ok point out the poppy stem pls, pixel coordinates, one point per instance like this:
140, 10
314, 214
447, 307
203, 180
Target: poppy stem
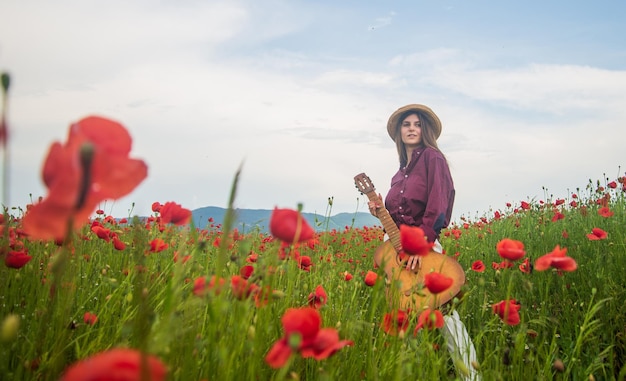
86, 158
227, 225
296, 236
59, 307
145, 314
4, 137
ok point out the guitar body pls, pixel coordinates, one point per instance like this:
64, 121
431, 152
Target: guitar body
407, 287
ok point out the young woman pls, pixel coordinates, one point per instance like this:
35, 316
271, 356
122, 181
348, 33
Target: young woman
422, 191
422, 194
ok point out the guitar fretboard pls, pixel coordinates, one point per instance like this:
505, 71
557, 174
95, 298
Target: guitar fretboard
385, 218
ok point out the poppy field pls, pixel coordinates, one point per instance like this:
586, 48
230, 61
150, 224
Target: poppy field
85, 295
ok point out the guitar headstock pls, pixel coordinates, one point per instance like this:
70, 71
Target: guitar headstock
363, 183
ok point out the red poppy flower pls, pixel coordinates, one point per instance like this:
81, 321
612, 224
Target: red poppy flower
305, 263
437, 282
92, 166
429, 319
116, 364
174, 213
612, 185
557, 259
414, 241
370, 278
279, 354
347, 276
289, 226
605, 212
102, 232
318, 298
525, 266
252, 257
90, 318
156, 206
525, 205
510, 249
326, 343
241, 288
201, 287
17, 259
597, 234
557, 216
304, 322
395, 322
508, 311
157, 245
478, 266
246, 271
312, 243
118, 244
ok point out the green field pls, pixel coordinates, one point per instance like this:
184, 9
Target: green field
572, 324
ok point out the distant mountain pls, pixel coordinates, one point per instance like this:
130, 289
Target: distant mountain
248, 219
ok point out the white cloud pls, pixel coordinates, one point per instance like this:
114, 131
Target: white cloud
355, 78
541, 87
205, 86
382, 22
74, 43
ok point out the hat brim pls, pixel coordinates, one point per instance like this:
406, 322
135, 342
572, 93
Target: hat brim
394, 119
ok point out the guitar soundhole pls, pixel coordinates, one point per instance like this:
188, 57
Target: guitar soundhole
398, 260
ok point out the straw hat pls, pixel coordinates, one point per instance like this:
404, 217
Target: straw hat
394, 119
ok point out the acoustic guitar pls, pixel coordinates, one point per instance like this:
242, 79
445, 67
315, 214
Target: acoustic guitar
411, 293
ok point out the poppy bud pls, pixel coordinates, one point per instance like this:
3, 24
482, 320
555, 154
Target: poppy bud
558, 365
294, 340
6, 82
10, 327
462, 368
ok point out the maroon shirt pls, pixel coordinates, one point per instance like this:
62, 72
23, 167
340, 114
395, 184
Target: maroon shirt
422, 193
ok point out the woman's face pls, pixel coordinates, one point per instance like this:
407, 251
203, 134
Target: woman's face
411, 131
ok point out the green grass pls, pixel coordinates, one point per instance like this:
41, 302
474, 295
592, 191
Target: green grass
144, 300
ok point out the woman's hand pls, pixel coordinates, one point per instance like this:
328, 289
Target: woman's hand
374, 206
414, 262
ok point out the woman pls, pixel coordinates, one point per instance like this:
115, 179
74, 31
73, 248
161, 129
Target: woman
422, 191
422, 194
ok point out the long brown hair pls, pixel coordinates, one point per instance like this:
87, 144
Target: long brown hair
428, 135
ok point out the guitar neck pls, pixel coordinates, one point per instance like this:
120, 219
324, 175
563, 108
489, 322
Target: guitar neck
385, 218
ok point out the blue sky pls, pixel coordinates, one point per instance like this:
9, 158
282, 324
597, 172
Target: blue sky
531, 94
